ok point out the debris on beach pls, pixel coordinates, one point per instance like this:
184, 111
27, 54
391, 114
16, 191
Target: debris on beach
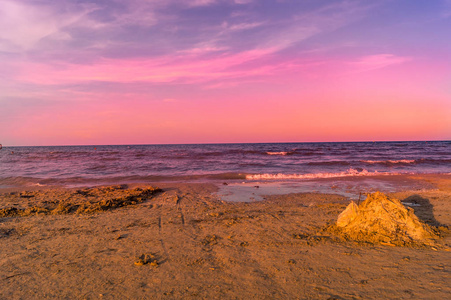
210, 240
384, 220
62, 201
145, 259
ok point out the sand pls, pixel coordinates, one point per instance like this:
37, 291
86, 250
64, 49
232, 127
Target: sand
185, 242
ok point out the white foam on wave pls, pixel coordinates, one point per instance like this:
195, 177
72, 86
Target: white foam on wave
400, 161
349, 173
277, 153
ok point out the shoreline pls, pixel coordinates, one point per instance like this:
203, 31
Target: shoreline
396, 181
188, 242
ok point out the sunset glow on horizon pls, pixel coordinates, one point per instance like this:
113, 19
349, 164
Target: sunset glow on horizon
92, 72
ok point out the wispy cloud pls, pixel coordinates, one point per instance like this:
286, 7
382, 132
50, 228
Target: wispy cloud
23, 25
243, 26
188, 69
378, 61
200, 2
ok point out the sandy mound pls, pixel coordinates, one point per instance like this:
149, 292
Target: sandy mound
381, 219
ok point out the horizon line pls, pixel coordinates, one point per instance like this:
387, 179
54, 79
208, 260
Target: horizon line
226, 143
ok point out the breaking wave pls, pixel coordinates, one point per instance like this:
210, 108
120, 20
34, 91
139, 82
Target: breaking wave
277, 153
349, 173
400, 161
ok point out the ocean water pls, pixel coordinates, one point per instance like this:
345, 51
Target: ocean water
271, 162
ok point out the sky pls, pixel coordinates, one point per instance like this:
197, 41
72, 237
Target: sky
92, 72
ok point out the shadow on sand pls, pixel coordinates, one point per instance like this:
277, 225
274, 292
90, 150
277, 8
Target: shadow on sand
423, 209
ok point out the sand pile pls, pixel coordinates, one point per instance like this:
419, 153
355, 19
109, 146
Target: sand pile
381, 219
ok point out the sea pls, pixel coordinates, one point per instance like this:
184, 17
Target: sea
298, 165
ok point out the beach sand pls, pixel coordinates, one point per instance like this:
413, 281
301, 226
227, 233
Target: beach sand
185, 242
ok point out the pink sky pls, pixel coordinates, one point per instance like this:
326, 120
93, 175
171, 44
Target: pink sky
151, 72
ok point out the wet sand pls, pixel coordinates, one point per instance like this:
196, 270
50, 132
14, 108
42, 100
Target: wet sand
185, 242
